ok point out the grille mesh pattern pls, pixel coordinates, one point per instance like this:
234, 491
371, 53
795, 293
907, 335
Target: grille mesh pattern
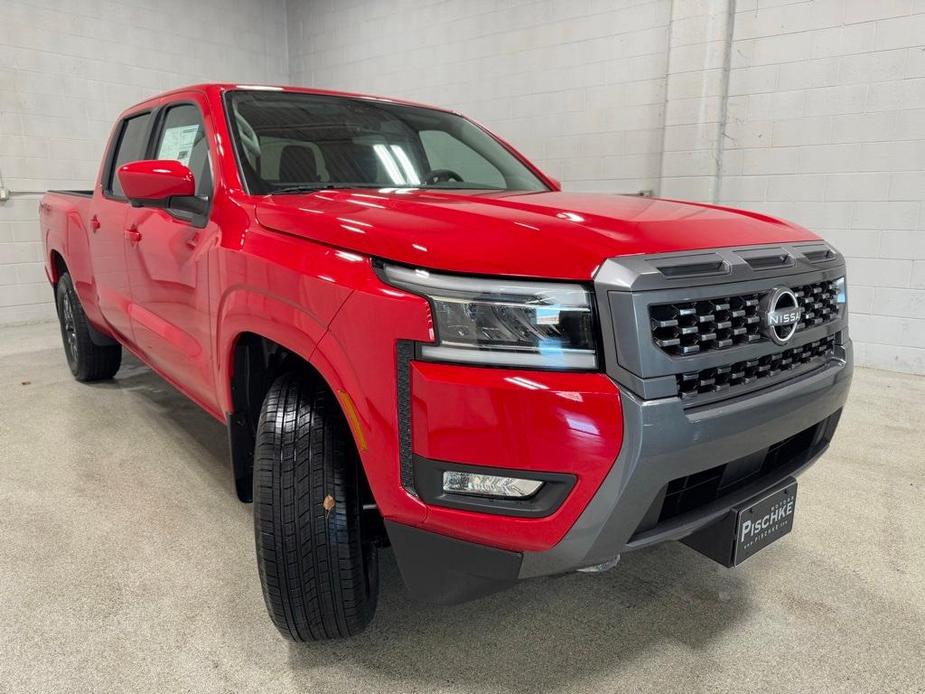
819, 302
742, 373
692, 327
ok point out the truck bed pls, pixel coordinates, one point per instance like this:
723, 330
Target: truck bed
64, 218
79, 193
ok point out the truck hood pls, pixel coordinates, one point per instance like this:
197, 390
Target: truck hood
550, 234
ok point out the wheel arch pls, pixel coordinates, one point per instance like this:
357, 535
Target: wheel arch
57, 268
56, 265
255, 360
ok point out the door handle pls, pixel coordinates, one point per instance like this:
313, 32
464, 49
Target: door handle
95, 223
134, 236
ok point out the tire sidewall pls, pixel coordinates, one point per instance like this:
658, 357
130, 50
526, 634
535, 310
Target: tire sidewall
86, 360
65, 292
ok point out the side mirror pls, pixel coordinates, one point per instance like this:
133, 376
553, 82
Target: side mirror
153, 181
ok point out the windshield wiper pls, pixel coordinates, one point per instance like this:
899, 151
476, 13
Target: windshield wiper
315, 187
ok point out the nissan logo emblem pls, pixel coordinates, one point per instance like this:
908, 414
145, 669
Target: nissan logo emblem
780, 313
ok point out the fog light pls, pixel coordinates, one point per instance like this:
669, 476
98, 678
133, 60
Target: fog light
489, 485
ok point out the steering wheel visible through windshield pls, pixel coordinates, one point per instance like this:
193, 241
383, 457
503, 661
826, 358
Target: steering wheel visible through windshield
293, 142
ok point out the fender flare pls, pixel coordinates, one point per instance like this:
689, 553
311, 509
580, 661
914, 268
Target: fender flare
246, 311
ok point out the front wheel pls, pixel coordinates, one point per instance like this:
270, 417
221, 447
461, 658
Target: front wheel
87, 360
319, 573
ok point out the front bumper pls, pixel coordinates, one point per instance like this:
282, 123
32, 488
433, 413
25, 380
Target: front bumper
663, 442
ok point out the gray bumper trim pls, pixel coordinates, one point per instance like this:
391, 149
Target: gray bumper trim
663, 441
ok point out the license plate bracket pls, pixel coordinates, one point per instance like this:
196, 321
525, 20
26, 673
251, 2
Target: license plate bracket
748, 527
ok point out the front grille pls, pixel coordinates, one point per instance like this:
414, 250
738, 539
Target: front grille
713, 380
692, 327
819, 302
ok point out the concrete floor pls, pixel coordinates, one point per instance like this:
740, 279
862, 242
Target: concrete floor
126, 564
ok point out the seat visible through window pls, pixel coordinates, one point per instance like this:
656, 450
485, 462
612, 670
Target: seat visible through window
297, 165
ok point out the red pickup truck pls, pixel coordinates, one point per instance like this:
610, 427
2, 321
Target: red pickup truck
417, 340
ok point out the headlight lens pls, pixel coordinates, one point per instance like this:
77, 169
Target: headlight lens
546, 325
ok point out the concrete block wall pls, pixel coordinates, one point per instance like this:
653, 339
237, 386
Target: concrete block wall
68, 68
695, 102
826, 127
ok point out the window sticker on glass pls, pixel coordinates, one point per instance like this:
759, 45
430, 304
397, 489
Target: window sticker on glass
177, 143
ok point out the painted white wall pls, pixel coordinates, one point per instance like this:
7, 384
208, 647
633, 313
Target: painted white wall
813, 110
68, 67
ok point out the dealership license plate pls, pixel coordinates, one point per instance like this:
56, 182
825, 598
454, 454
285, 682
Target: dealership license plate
764, 521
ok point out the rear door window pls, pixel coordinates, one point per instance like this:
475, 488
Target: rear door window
133, 140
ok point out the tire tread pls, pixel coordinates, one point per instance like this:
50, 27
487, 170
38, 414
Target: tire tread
313, 565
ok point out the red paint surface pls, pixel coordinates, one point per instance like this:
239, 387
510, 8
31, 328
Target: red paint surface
154, 179
547, 421
525, 234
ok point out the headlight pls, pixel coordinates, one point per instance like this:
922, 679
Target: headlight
547, 325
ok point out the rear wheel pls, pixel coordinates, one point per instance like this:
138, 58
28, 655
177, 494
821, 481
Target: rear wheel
87, 360
318, 569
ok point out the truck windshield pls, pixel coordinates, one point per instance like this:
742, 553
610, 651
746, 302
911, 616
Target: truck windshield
294, 142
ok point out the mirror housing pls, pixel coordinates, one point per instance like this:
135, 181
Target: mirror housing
153, 181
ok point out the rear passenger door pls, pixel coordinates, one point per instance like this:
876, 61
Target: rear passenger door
168, 261
107, 225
